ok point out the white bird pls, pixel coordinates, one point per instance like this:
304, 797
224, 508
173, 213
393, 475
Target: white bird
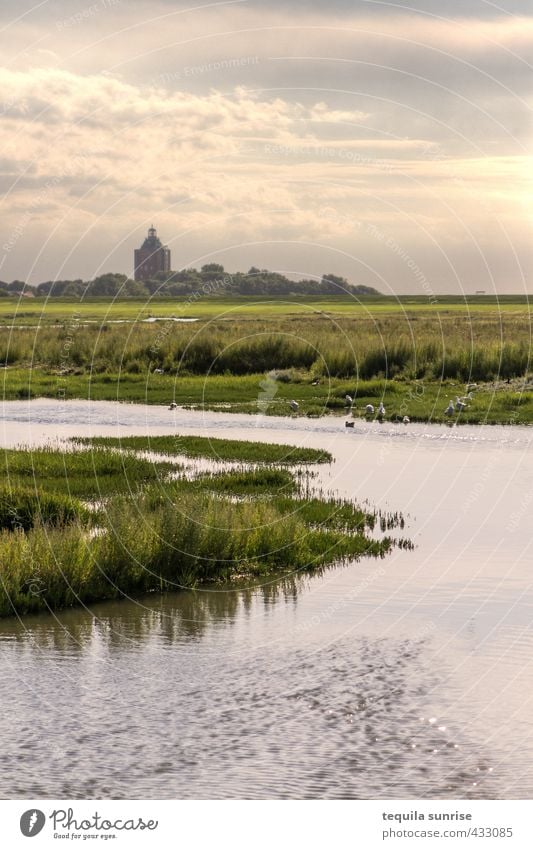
450, 409
406, 420
315, 382
159, 371
173, 405
349, 400
460, 405
294, 405
369, 410
381, 410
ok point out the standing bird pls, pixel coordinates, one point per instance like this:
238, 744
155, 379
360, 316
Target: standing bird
349, 400
381, 410
460, 405
450, 409
406, 420
369, 410
294, 405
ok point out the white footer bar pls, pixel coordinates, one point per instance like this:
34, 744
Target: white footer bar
268, 825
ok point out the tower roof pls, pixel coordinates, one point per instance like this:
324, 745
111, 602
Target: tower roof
152, 241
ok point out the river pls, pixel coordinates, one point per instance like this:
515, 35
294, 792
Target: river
408, 677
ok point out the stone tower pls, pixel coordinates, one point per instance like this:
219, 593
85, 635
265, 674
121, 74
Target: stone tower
152, 257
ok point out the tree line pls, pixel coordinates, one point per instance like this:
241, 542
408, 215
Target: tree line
210, 280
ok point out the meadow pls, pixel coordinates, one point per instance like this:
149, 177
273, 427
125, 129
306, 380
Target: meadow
38, 311
107, 517
255, 356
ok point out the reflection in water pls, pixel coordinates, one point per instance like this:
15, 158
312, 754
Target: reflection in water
171, 699
407, 677
172, 618
165, 696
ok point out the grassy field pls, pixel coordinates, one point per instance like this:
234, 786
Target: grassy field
257, 356
106, 520
36, 311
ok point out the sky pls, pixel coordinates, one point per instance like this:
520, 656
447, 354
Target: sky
387, 142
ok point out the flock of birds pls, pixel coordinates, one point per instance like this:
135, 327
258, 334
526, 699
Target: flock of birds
369, 409
460, 403
453, 407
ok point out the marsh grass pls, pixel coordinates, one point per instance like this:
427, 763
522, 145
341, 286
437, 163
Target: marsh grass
245, 482
152, 543
230, 450
156, 532
22, 509
331, 513
386, 351
481, 344
422, 399
83, 474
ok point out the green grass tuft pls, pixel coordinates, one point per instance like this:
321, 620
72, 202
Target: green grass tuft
87, 475
22, 509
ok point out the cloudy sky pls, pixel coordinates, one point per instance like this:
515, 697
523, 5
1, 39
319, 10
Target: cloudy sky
389, 142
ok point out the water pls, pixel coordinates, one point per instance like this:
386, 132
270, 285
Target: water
403, 677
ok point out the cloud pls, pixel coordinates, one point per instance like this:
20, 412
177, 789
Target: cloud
245, 122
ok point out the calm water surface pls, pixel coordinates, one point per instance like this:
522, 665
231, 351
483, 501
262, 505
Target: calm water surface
404, 677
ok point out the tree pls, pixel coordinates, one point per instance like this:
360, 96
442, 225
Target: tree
107, 285
333, 283
16, 286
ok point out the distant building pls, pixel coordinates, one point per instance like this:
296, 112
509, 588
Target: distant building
152, 258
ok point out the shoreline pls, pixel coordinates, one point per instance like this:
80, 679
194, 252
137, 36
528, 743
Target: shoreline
478, 418
156, 527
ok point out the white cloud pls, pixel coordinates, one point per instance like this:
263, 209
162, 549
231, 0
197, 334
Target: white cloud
103, 129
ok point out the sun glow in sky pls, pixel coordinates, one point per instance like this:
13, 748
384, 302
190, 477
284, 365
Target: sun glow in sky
387, 142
